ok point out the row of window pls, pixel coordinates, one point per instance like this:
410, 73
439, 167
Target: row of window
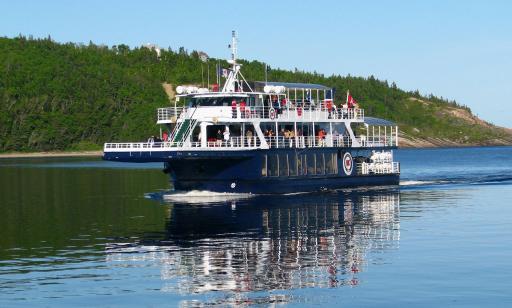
299, 164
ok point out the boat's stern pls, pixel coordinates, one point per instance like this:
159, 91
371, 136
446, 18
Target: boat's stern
139, 152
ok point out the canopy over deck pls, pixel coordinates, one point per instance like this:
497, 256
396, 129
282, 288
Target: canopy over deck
378, 122
291, 85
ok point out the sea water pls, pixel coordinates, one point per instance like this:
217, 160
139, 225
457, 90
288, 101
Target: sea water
84, 232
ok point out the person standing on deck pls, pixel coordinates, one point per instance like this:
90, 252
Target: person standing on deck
242, 109
233, 109
249, 136
226, 136
218, 138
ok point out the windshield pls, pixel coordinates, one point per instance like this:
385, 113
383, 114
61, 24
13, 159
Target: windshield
217, 101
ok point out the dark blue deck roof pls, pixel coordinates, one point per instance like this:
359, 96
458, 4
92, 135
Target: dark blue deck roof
293, 85
378, 122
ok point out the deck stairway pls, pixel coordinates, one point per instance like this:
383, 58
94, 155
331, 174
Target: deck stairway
183, 129
180, 130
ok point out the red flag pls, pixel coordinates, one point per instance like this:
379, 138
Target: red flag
351, 102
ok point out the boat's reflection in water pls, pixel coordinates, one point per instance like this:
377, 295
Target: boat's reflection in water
267, 243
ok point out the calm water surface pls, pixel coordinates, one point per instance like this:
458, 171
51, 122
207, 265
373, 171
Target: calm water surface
83, 232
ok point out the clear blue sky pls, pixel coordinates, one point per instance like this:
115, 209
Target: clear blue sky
460, 50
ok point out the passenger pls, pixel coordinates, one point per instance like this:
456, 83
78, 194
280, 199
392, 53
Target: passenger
249, 136
321, 137
242, 109
344, 111
328, 106
151, 140
283, 104
271, 138
226, 136
282, 137
218, 138
335, 138
233, 109
292, 137
158, 142
275, 104
165, 136
287, 136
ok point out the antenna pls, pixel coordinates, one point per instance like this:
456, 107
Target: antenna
233, 48
232, 80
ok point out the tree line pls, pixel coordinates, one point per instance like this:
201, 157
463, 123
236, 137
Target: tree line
61, 96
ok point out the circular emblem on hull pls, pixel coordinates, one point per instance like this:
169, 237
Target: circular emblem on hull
348, 164
233, 185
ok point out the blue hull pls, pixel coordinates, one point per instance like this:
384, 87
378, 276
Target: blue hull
287, 185
241, 171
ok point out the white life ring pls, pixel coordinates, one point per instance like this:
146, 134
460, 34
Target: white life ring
348, 163
272, 113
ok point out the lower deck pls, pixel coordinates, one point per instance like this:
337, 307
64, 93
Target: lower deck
272, 171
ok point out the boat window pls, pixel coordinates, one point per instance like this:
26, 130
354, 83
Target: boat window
214, 101
320, 163
311, 163
264, 166
330, 163
292, 161
302, 167
272, 165
283, 165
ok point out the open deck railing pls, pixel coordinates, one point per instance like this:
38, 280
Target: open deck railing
379, 168
307, 142
291, 113
239, 143
169, 113
377, 141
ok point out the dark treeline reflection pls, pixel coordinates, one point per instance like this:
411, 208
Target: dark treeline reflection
266, 243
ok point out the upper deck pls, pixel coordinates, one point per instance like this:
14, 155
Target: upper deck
290, 111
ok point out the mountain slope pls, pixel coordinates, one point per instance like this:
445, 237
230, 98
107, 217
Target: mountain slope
73, 96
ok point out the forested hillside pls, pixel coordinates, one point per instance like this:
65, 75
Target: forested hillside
73, 96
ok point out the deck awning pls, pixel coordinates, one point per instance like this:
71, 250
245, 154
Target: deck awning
377, 122
292, 85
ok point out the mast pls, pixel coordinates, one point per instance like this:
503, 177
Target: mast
232, 80
233, 49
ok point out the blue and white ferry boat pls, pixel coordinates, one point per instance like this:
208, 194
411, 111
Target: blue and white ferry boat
266, 137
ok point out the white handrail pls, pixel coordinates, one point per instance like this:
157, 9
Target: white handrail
241, 142
290, 112
170, 113
379, 168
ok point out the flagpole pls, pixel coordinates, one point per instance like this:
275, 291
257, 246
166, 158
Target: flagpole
266, 73
348, 93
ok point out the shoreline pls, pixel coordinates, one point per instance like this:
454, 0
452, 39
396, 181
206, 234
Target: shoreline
51, 154
100, 153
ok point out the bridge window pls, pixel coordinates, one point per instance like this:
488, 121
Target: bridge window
214, 101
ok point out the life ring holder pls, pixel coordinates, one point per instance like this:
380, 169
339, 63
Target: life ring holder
272, 113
